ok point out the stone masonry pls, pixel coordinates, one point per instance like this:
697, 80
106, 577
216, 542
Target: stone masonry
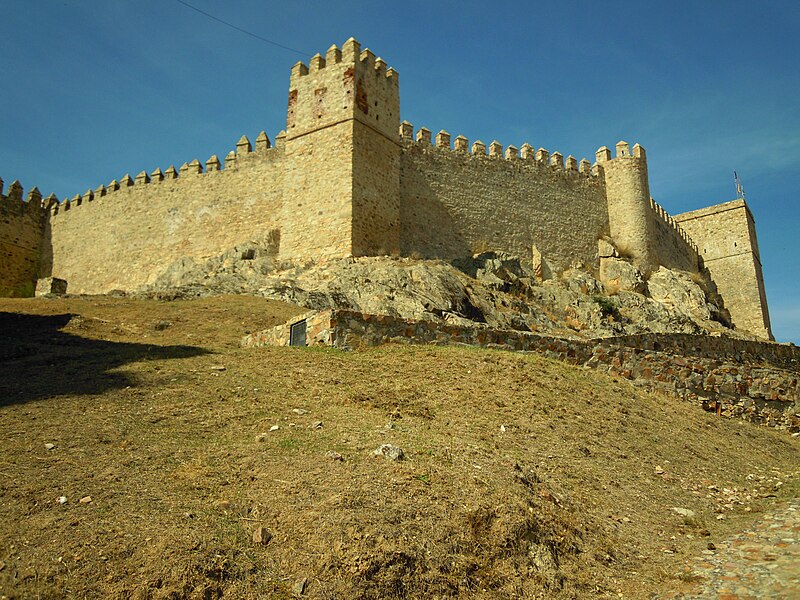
347, 178
729, 250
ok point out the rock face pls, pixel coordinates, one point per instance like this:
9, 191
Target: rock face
618, 274
493, 288
678, 291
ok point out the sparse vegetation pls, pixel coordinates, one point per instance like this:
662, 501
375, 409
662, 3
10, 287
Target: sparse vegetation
523, 477
607, 307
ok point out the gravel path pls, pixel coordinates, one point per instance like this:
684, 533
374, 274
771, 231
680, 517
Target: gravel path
762, 562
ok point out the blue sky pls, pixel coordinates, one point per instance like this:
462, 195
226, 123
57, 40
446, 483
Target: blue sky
96, 89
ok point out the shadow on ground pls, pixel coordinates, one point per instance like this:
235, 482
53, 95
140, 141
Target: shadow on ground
38, 360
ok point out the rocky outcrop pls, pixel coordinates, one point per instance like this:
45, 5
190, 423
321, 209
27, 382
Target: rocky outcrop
619, 275
493, 288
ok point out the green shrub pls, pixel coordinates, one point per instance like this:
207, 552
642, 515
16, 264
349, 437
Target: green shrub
607, 307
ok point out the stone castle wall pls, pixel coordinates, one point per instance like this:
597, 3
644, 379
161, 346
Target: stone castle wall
376, 158
348, 179
455, 202
124, 238
376, 194
317, 215
673, 246
726, 238
343, 149
21, 226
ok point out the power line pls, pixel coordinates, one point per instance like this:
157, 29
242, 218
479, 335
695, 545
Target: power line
250, 33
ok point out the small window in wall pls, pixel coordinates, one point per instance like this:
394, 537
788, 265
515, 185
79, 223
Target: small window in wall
297, 334
249, 254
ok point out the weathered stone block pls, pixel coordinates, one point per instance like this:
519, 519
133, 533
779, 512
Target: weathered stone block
51, 285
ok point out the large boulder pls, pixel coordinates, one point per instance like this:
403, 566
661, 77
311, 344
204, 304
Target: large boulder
678, 290
620, 275
581, 282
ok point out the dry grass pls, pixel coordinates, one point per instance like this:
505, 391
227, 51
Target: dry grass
524, 478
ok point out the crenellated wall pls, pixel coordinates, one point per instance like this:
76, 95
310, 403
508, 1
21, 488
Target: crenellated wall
458, 200
346, 178
674, 248
123, 235
21, 226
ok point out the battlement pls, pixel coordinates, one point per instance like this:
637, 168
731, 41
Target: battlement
17, 202
525, 154
668, 221
241, 156
350, 54
346, 84
623, 150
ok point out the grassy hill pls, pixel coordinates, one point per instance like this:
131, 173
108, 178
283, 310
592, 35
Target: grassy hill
523, 477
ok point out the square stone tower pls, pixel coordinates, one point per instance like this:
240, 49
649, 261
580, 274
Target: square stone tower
342, 178
726, 237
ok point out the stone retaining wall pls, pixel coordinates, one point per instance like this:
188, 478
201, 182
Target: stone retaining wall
755, 381
786, 356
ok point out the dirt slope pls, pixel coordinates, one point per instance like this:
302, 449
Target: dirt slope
523, 477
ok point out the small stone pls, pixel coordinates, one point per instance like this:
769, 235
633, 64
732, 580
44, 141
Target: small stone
605, 249
299, 588
334, 456
316, 425
389, 451
218, 367
300, 411
49, 446
261, 437
659, 470
62, 500
720, 517
502, 428
684, 512
275, 428
85, 500
711, 546
262, 536
162, 325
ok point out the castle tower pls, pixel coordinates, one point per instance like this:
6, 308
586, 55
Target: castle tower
726, 237
628, 194
343, 157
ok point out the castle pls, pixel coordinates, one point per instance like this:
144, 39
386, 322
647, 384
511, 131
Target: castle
347, 178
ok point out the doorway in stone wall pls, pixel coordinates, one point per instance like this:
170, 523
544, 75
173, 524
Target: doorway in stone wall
297, 334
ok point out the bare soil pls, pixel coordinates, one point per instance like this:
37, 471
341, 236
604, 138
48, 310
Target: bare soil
523, 477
